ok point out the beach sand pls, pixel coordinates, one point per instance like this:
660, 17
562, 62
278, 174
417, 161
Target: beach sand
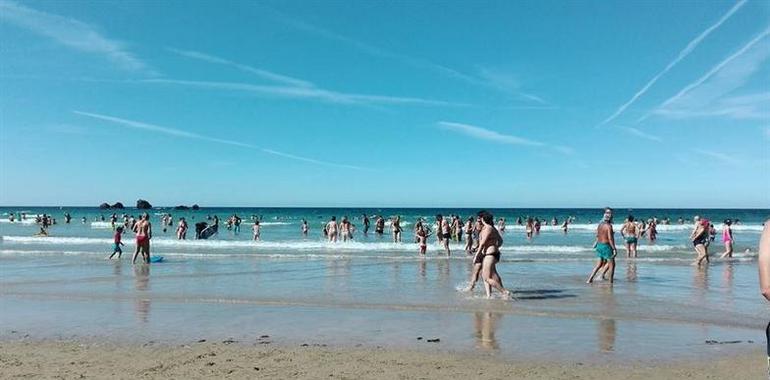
73, 359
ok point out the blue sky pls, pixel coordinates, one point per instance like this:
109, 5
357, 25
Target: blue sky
362, 103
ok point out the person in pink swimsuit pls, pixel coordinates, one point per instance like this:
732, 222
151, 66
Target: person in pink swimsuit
727, 238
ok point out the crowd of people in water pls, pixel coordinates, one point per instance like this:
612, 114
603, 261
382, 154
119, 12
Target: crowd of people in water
482, 235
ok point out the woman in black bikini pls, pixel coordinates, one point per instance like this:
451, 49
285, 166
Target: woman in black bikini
489, 254
699, 238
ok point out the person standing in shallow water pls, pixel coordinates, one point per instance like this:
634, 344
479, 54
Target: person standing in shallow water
489, 253
331, 229
630, 233
699, 238
605, 248
727, 239
143, 229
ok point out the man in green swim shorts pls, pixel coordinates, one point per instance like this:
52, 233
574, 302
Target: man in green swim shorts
630, 233
605, 248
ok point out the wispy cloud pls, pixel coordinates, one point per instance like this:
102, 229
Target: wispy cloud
264, 74
71, 33
380, 52
702, 97
313, 93
682, 55
638, 133
189, 135
722, 157
490, 135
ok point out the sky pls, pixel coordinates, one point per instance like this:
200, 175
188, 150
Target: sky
377, 104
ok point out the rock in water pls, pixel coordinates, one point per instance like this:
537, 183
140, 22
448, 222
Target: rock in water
104, 206
143, 204
117, 205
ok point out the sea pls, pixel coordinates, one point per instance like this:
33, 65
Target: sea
372, 292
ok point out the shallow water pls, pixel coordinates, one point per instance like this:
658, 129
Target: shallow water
377, 293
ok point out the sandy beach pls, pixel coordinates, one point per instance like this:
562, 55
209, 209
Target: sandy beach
90, 359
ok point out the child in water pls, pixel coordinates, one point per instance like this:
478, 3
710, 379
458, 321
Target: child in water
117, 243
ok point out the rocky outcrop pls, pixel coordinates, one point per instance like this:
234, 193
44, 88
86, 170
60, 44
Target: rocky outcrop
104, 206
117, 206
195, 207
143, 204
181, 207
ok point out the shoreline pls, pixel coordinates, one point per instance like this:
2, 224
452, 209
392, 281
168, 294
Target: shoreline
86, 358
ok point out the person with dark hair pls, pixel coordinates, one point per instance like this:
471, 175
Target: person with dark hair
469, 236
488, 254
143, 230
443, 233
727, 238
395, 228
331, 229
699, 238
605, 248
630, 233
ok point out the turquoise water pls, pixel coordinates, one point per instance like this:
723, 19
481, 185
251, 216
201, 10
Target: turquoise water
374, 292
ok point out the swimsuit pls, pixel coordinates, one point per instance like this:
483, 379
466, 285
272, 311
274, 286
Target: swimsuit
726, 236
142, 239
631, 239
700, 240
604, 251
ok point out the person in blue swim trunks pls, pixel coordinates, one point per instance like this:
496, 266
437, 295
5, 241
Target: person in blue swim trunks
605, 248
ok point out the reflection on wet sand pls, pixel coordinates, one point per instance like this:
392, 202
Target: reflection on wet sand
631, 271
486, 325
607, 329
142, 285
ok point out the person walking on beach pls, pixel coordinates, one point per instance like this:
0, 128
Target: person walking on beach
331, 229
630, 233
116, 243
143, 230
699, 238
444, 233
605, 248
489, 253
727, 239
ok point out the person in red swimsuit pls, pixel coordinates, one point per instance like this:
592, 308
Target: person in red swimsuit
143, 230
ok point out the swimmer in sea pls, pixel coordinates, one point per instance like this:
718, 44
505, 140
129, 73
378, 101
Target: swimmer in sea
255, 229
422, 238
501, 225
630, 233
699, 238
605, 248
379, 225
366, 224
727, 238
304, 227
181, 230
395, 229
331, 229
143, 229
443, 231
469, 236
345, 229
530, 228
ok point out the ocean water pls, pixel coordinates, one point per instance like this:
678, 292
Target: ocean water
374, 292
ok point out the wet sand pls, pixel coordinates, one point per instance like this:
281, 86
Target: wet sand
262, 359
